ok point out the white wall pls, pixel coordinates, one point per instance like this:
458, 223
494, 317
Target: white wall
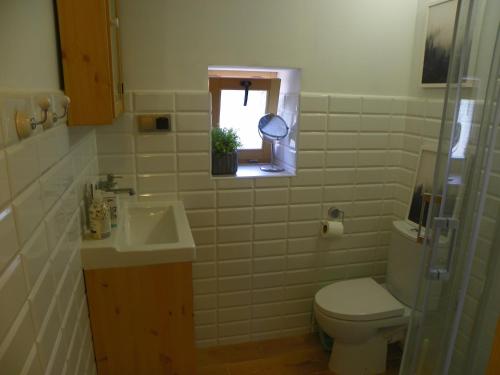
44, 324
358, 47
28, 45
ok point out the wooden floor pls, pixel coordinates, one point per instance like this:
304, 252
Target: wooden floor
301, 355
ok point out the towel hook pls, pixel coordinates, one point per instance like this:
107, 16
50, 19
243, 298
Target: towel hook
65, 104
25, 124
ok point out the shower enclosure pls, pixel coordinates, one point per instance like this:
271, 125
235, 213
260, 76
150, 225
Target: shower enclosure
458, 304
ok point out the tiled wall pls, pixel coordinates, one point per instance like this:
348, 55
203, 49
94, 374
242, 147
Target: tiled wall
482, 301
259, 257
44, 325
422, 127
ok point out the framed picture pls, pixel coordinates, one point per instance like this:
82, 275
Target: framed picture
441, 16
422, 184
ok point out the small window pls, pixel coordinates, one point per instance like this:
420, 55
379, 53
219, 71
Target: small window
229, 109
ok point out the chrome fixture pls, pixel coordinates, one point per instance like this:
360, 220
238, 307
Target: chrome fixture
336, 214
109, 185
65, 104
129, 191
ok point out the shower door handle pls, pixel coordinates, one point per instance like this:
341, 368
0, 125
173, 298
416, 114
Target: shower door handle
437, 271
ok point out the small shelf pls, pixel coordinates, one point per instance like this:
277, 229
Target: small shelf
254, 171
455, 180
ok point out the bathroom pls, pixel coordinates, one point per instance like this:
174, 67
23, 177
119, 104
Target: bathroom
256, 283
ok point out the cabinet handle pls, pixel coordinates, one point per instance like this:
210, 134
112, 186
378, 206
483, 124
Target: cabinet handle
115, 22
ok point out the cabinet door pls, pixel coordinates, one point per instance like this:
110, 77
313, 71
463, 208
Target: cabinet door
142, 319
85, 33
116, 66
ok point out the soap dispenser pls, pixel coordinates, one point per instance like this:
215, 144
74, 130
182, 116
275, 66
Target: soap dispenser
99, 217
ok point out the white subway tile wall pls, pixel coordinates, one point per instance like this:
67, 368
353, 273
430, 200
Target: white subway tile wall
422, 125
44, 324
482, 302
259, 255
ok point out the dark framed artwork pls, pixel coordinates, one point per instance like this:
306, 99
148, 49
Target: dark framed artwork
441, 16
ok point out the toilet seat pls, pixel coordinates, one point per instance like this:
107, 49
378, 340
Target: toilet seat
357, 300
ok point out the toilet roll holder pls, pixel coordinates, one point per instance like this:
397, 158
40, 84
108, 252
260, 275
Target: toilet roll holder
336, 214
333, 227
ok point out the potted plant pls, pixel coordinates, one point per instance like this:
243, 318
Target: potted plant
225, 143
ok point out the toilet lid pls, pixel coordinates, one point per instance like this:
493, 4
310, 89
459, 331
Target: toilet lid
358, 299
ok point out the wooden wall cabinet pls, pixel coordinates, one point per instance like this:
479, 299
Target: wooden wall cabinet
90, 54
142, 319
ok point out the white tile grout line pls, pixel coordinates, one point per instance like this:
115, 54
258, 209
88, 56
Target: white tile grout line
252, 247
216, 260
320, 251
285, 275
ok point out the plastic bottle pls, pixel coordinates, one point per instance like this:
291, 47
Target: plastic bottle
111, 200
99, 215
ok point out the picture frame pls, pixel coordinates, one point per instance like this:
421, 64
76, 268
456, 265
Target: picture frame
438, 40
423, 182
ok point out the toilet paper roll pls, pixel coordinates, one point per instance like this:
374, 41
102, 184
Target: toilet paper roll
331, 229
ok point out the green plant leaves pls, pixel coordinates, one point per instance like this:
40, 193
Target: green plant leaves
224, 141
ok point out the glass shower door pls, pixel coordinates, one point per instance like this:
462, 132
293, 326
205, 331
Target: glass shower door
466, 145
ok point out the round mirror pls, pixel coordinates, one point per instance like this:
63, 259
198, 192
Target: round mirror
273, 127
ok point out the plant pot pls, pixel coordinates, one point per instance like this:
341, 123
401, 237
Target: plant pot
224, 164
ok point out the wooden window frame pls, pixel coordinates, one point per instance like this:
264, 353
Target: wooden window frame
268, 83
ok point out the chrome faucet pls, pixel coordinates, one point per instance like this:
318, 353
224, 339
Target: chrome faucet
130, 191
109, 185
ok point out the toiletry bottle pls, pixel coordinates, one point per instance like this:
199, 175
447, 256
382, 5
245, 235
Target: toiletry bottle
100, 221
87, 202
112, 201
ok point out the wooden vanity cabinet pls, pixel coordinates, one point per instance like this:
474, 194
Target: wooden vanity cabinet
90, 56
142, 319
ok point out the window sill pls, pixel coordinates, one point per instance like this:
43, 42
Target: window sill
254, 171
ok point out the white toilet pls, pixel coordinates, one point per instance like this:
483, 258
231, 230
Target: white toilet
362, 316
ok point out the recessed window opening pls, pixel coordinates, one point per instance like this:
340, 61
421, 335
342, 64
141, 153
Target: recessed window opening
241, 99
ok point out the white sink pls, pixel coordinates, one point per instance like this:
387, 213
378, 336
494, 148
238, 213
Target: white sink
147, 233
150, 226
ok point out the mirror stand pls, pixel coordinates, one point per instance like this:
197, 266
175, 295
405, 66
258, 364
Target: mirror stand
272, 167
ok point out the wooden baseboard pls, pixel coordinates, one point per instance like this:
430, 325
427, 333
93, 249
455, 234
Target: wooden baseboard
494, 363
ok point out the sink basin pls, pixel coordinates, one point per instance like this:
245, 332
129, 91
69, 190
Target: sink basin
147, 233
150, 226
